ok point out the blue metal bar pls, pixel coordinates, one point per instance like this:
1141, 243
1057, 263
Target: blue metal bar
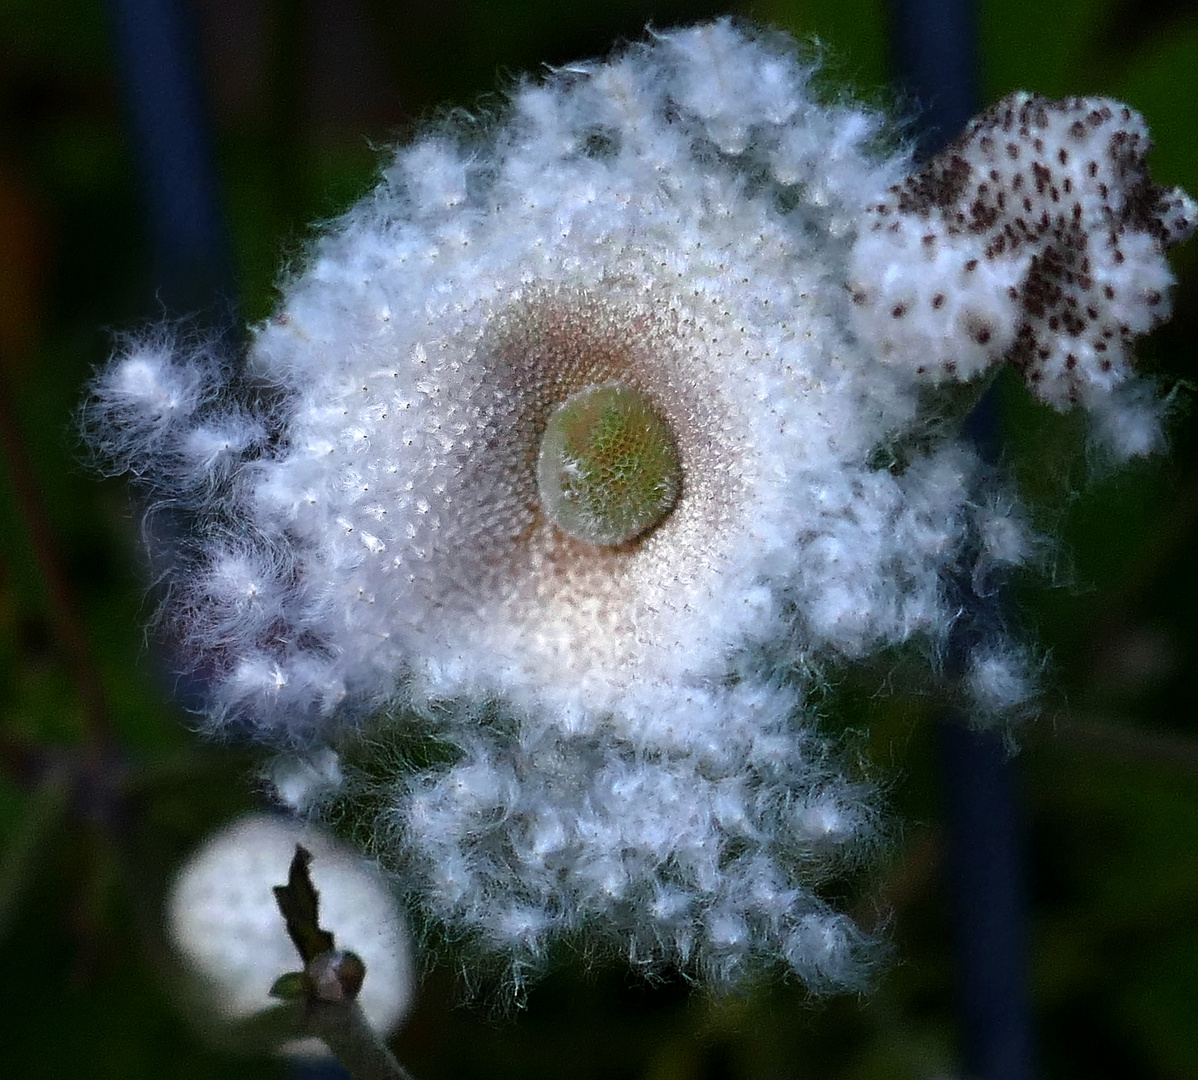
934, 47
935, 56
170, 136
984, 870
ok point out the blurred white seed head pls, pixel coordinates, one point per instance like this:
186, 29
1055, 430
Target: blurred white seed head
224, 922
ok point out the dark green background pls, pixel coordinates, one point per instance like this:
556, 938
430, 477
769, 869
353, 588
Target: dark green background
303, 94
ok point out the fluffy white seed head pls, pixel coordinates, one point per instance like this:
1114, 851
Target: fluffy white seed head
1036, 238
385, 499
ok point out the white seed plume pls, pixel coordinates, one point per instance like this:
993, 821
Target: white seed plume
616, 683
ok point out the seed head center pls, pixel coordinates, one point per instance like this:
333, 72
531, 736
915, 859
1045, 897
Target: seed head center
608, 468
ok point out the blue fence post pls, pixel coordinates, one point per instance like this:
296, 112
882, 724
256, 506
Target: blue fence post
935, 54
171, 142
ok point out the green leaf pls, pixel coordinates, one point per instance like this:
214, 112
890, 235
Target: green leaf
290, 987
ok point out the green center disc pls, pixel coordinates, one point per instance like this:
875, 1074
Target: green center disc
608, 469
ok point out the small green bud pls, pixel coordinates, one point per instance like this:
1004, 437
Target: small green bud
608, 468
290, 987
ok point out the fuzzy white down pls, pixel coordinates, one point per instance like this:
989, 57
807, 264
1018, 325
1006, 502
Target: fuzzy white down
629, 752
1036, 238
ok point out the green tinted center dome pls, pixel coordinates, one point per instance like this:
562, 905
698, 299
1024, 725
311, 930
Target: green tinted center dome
608, 468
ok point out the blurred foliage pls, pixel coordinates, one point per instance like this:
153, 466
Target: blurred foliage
302, 94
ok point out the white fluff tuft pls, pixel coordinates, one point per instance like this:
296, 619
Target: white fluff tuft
1000, 682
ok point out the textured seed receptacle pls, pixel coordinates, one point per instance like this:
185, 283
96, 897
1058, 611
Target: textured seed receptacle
608, 468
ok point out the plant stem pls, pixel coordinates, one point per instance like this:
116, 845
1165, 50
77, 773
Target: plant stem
342, 1026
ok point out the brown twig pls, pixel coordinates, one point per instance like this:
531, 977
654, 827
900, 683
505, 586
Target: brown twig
327, 988
64, 607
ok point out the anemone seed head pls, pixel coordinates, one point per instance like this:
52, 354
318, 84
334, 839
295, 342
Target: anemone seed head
577, 443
